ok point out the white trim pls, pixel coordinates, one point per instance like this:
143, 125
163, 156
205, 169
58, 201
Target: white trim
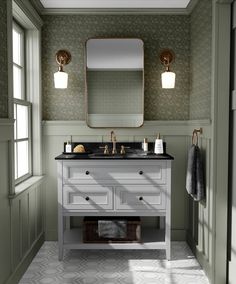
33, 69
26, 15
115, 11
192, 4
113, 4
32, 181
219, 152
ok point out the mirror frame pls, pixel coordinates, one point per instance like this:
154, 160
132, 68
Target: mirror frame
86, 86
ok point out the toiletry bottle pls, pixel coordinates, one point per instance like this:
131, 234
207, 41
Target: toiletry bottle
145, 145
158, 145
68, 147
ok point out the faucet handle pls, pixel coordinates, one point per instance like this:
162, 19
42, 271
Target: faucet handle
122, 149
106, 150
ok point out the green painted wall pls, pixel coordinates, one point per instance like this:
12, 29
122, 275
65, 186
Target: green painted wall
5, 240
157, 32
200, 63
3, 60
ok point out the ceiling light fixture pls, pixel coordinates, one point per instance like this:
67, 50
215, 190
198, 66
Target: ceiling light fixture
63, 57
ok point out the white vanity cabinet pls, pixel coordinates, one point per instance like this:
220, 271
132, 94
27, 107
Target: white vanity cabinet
140, 187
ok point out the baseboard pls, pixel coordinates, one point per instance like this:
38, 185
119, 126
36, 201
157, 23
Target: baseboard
23, 265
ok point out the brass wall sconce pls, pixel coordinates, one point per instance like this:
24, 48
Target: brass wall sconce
63, 57
167, 56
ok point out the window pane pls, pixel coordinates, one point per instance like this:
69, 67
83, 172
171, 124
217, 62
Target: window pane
17, 82
15, 159
17, 40
22, 122
15, 121
22, 158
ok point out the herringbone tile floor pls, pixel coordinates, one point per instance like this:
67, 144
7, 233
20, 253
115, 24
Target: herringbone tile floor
114, 267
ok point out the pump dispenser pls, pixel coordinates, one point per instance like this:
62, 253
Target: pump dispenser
68, 147
158, 145
145, 145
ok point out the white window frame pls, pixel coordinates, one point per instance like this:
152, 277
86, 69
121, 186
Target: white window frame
28, 18
29, 139
24, 102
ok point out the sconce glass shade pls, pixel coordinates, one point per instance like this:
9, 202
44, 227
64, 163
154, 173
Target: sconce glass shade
168, 80
60, 80
63, 57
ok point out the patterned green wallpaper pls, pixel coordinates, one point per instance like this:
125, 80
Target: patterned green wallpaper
157, 32
3, 60
200, 63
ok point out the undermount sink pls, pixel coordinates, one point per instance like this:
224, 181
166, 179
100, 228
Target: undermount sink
106, 156
134, 154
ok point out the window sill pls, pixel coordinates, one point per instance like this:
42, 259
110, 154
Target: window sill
32, 181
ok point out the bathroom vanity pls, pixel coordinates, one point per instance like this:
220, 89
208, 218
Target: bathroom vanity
130, 185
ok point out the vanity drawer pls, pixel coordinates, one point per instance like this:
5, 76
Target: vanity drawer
87, 197
110, 174
137, 197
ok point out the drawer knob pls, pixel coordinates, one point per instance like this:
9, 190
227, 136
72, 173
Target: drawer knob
87, 198
87, 172
140, 172
140, 198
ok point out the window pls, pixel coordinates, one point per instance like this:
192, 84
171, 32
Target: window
22, 108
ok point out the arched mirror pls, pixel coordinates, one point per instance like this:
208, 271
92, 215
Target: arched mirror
115, 82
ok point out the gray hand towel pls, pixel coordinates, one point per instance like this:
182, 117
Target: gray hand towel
194, 177
112, 228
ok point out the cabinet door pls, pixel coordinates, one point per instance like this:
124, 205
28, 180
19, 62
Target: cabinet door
138, 197
87, 197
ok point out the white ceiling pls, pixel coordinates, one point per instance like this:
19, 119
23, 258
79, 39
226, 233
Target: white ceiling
119, 4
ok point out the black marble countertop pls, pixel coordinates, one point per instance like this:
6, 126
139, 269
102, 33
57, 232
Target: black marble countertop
133, 152
114, 157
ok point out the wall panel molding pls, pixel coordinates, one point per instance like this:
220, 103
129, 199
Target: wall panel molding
6, 129
79, 128
194, 224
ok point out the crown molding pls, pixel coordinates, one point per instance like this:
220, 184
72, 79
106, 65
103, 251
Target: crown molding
114, 11
192, 4
109, 11
24, 11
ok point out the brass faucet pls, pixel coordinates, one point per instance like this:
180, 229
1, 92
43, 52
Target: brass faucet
113, 140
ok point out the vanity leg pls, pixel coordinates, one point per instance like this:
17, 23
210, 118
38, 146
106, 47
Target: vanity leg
168, 253
60, 238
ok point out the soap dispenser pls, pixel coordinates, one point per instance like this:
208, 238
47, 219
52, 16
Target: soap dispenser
158, 145
68, 147
145, 145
